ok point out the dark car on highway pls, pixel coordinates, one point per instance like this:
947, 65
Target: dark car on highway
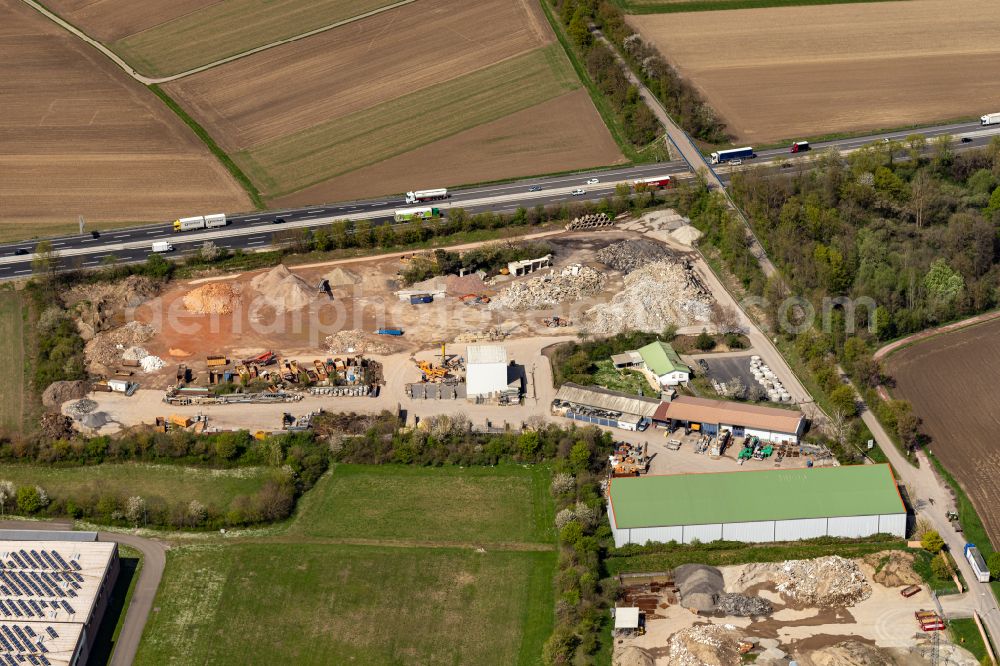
19, 251
278, 220
966, 139
535, 188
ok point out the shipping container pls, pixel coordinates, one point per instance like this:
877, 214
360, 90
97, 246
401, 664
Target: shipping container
389, 331
421, 298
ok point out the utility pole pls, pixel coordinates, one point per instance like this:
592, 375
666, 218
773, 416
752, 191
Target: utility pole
80, 220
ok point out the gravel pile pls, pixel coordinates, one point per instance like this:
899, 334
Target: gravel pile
571, 284
743, 606
82, 407
355, 342
283, 290
704, 645
655, 296
106, 348
629, 255
827, 582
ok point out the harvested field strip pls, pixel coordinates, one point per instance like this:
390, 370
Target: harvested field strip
302, 603
501, 504
157, 484
12, 369
674, 6
392, 128
230, 27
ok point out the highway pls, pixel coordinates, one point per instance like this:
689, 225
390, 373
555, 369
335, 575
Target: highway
253, 231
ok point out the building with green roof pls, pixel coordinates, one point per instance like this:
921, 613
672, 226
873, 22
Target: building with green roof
659, 359
757, 506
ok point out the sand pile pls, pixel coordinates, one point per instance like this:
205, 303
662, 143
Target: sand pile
213, 298
893, 568
341, 277
282, 289
826, 582
632, 656
850, 653
686, 235
59, 392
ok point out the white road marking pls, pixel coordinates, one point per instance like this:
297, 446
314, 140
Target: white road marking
121, 236
155, 231
257, 243
58, 244
318, 210
251, 219
26, 270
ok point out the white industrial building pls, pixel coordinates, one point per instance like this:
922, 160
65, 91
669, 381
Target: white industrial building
54, 589
757, 506
488, 372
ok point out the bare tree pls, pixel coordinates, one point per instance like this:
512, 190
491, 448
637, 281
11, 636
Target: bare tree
840, 426
726, 319
45, 260
923, 193
916, 144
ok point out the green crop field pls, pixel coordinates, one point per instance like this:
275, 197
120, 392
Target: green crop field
405, 596
321, 604
446, 504
413, 120
12, 370
213, 488
230, 27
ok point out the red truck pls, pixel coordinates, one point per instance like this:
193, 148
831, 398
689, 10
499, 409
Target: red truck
799, 147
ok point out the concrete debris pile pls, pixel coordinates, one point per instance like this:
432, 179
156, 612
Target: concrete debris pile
150, 363
654, 296
850, 653
81, 408
590, 221
214, 298
56, 426
283, 290
704, 645
59, 392
893, 568
106, 348
134, 354
492, 334
826, 582
355, 342
571, 284
628, 255
741, 605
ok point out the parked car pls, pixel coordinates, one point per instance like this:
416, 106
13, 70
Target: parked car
593, 181
535, 188
278, 220
578, 191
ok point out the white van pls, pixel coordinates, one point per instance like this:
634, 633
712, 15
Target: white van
162, 246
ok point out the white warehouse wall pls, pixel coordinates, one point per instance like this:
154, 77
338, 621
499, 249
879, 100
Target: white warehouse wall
803, 528
703, 533
485, 378
893, 524
755, 532
853, 526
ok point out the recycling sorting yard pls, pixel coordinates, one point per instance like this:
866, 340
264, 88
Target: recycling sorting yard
828, 611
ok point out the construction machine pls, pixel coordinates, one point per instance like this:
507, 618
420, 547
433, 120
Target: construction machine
556, 322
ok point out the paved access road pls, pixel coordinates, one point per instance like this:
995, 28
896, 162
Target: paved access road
252, 231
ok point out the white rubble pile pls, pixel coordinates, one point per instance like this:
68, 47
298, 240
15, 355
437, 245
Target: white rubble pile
827, 582
704, 645
355, 342
629, 255
655, 296
571, 284
134, 354
150, 363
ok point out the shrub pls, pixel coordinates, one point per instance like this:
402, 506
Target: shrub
932, 542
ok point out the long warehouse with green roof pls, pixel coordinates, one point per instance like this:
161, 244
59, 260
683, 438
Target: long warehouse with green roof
769, 505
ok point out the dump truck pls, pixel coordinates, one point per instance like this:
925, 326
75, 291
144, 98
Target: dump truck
162, 246
724, 156
990, 119
408, 214
419, 196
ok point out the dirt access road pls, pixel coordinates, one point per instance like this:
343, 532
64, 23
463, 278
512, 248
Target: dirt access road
154, 559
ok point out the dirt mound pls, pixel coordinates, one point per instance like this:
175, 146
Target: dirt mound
355, 342
107, 347
59, 392
213, 298
56, 426
850, 653
686, 235
704, 645
826, 582
341, 277
101, 306
282, 289
893, 568
632, 656
466, 284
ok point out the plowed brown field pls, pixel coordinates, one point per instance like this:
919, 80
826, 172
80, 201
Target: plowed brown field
77, 136
110, 20
792, 72
561, 134
952, 382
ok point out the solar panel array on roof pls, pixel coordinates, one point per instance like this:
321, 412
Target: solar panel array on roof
21, 644
40, 579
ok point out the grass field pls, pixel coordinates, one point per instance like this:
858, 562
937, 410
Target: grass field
300, 597
408, 122
214, 488
821, 69
304, 603
627, 381
193, 39
12, 371
964, 632
500, 505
